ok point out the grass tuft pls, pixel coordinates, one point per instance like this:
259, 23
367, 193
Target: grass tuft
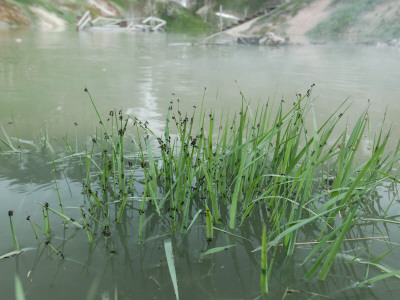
222, 171
278, 169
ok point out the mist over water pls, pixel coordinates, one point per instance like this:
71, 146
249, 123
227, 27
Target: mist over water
43, 77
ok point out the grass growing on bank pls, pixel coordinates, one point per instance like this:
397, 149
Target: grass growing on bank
279, 16
351, 17
181, 19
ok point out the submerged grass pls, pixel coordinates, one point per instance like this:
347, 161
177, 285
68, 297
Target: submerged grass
19, 290
171, 265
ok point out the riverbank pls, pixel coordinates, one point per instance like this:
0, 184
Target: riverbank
47, 15
300, 22
331, 21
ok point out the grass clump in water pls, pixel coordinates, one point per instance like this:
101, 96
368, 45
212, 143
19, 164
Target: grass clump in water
274, 168
269, 161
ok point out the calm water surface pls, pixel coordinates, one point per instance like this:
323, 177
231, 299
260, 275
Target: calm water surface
42, 78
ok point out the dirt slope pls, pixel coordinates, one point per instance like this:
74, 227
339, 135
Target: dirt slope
53, 15
306, 19
356, 21
302, 21
12, 14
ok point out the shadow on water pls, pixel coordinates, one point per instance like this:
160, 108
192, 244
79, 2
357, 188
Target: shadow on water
140, 271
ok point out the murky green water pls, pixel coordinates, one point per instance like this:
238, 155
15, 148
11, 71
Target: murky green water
42, 78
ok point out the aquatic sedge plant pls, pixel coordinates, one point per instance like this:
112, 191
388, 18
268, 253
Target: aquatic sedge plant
264, 263
275, 166
171, 265
224, 169
46, 219
48, 243
7, 142
87, 227
16, 246
28, 218
64, 217
57, 189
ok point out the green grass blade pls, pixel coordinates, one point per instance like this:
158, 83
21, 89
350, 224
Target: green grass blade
102, 122
212, 195
19, 290
194, 219
64, 217
87, 228
216, 250
264, 263
296, 226
16, 246
379, 266
10, 254
171, 265
237, 190
378, 278
152, 177
209, 224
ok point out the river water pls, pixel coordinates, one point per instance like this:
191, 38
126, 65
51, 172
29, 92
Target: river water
42, 80
43, 74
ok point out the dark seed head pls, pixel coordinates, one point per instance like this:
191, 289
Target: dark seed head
10, 213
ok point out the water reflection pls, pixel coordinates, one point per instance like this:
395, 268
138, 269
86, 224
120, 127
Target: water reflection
118, 263
147, 112
126, 70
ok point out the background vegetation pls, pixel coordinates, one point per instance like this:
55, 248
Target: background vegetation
350, 18
356, 20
